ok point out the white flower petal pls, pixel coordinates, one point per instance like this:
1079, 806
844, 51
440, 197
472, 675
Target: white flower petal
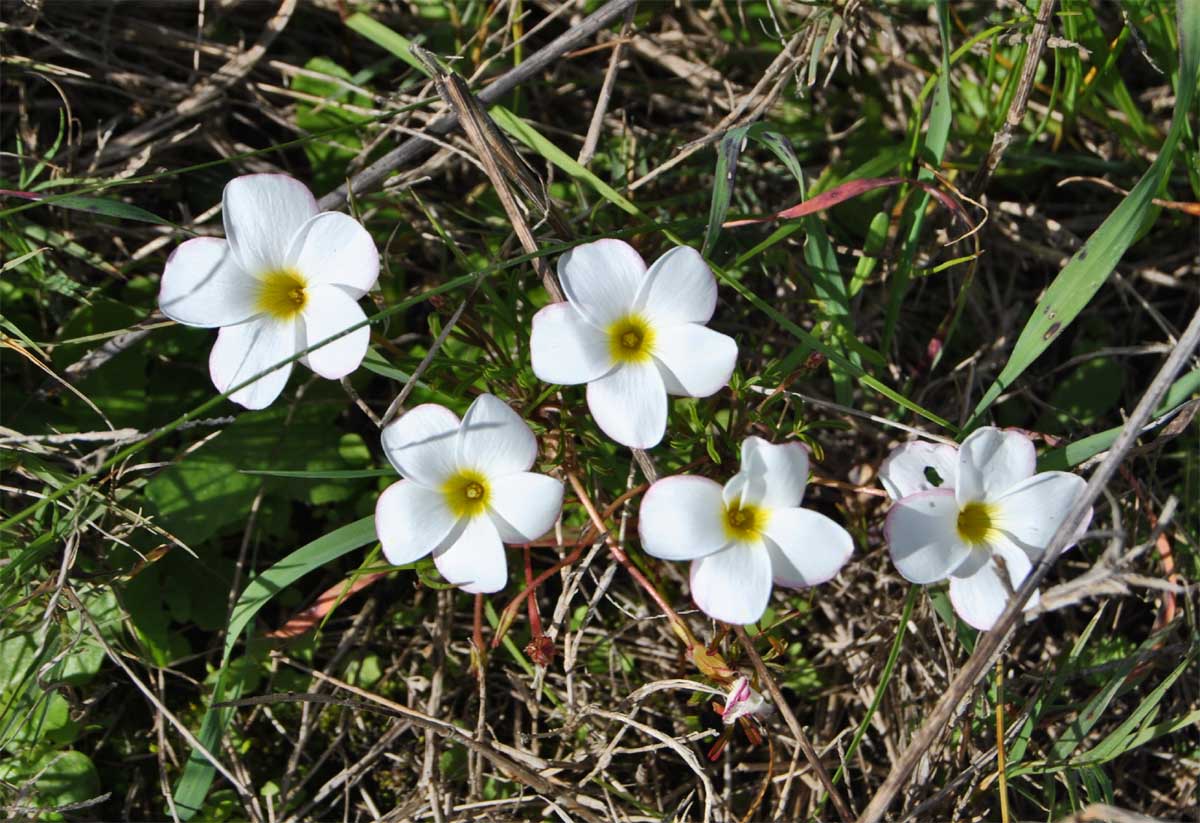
1031, 511
203, 285
695, 361
980, 598
422, 445
262, 213
992, 461
630, 405
678, 288
806, 547
249, 348
922, 535
334, 249
682, 518
565, 348
737, 488
475, 562
330, 310
525, 505
601, 279
412, 521
775, 474
494, 440
904, 471
734, 584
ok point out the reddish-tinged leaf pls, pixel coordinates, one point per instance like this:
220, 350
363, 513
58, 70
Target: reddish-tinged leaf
311, 617
852, 189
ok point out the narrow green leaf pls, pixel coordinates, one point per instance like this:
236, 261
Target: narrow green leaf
937, 134
198, 773
1091, 266
1116, 743
1063, 458
530, 136
92, 205
339, 474
385, 38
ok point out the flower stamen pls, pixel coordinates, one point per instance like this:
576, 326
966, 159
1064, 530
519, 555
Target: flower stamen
976, 523
466, 493
631, 340
283, 294
744, 522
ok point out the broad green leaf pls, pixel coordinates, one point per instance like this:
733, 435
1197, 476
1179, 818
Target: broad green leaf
198, 773
60, 778
1091, 266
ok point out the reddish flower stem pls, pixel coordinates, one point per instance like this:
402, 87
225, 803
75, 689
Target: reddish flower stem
617, 552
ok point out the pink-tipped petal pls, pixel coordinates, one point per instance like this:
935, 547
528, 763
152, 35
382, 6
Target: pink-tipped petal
734, 584
262, 213
565, 348
1031, 511
678, 288
475, 562
806, 547
922, 536
330, 311
494, 440
980, 598
334, 249
204, 285
906, 470
248, 349
412, 521
630, 405
695, 361
422, 444
601, 279
992, 461
682, 518
776, 474
524, 506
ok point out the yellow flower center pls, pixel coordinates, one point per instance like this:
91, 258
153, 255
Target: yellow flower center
630, 340
744, 522
467, 493
976, 523
283, 294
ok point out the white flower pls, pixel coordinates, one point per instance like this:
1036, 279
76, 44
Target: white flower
743, 537
633, 336
287, 277
990, 511
742, 700
467, 489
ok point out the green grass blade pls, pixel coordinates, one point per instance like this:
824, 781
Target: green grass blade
530, 136
198, 773
934, 149
1117, 741
1063, 458
385, 38
336, 474
1091, 266
101, 206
